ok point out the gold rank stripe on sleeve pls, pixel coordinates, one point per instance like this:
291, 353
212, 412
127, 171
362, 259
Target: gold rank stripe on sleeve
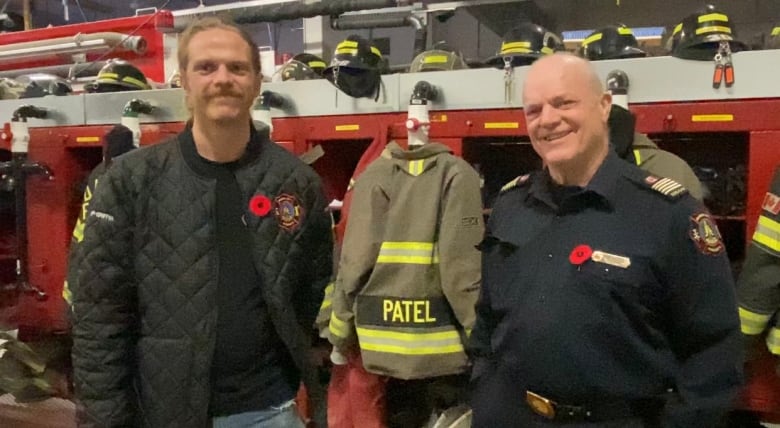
408, 252
773, 340
767, 235
395, 342
753, 323
668, 187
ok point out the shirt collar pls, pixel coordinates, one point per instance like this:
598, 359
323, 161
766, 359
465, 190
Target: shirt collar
602, 185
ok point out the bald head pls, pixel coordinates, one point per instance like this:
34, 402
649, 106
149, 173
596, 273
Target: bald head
566, 111
568, 64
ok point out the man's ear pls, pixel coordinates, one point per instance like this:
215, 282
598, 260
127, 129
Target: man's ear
606, 105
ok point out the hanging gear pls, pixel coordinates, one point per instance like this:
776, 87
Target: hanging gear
304, 66
42, 84
355, 68
441, 58
118, 75
524, 44
10, 89
724, 69
699, 35
611, 42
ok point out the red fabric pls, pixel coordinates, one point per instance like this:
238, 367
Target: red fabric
356, 398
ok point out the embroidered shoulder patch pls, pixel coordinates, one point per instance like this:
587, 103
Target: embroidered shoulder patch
705, 234
515, 182
666, 186
288, 212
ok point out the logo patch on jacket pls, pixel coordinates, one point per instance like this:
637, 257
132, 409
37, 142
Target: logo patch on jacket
705, 235
288, 211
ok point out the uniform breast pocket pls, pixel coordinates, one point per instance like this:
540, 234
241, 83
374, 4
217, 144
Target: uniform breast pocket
501, 266
620, 277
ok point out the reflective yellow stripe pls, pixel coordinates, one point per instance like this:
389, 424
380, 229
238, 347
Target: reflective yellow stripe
713, 29
435, 59
638, 157
66, 294
135, 82
327, 299
713, 17
513, 45
594, 38
417, 253
108, 75
416, 167
337, 326
376, 51
776, 31
350, 51
347, 44
625, 31
768, 233
394, 342
317, 64
751, 322
547, 51
78, 231
677, 28
516, 50
773, 341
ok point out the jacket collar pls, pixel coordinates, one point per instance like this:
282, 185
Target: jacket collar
207, 168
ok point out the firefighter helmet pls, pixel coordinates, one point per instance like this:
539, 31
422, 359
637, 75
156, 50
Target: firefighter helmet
118, 75
440, 58
773, 42
524, 44
699, 34
611, 42
304, 66
42, 84
355, 67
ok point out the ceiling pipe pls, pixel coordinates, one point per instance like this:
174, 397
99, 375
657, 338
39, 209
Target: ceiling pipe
261, 11
80, 43
355, 22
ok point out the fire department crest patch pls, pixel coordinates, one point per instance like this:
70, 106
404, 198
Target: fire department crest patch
288, 212
704, 233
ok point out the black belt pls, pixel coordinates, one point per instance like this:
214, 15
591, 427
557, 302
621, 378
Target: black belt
611, 410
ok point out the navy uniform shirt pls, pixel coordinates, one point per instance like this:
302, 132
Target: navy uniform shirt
621, 290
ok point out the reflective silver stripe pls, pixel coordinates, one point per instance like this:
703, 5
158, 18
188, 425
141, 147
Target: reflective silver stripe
337, 326
419, 253
404, 343
767, 235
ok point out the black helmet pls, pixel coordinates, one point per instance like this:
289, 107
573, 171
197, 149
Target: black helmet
440, 58
355, 67
524, 44
698, 36
42, 84
611, 42
118, 75
773, 41
303, 66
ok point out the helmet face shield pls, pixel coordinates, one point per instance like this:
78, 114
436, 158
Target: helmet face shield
524, 44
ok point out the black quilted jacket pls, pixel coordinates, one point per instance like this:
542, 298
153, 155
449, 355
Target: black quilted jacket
144, 305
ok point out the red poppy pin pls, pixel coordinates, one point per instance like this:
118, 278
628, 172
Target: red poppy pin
580, 254
260, 205
288, 211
